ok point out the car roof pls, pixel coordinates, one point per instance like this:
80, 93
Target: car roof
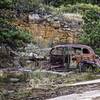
74, 45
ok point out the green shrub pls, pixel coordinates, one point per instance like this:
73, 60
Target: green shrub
11, 34
90, 76
97, 51
79, 8
91, 28
18, 37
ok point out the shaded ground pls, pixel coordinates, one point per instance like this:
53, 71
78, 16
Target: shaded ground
41, 86
90, 95
22, 83
22, 91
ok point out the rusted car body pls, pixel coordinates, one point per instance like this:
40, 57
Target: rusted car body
73, 56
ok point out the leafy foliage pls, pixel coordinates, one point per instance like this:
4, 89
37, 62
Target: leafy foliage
20, 4
15, 35
79, 8
58, 3
91, 17
11, 34
91, 28
97, 51
26, 4
5, 3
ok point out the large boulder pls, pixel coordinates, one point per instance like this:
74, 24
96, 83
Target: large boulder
8, 57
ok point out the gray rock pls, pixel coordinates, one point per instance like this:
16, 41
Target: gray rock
66, 21
14, 79
34, 17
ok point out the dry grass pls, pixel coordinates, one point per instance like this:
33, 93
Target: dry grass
50, 80
41, 84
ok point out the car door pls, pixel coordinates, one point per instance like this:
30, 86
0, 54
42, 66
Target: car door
75, 56
87, 55
56, 56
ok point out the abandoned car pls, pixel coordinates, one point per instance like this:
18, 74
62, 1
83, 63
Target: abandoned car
73, 56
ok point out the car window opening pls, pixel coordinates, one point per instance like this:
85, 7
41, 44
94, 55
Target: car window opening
76, 50
57, 51
85, 51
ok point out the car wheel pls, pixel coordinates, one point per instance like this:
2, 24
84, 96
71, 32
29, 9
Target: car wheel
87, 67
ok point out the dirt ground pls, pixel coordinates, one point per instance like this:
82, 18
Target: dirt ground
41, 85
23, 91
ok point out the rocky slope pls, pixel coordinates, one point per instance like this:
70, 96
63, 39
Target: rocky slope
55, 29
50, 29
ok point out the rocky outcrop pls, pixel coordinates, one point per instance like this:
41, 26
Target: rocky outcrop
50, 29
65, 22
8, 57
63, 28
28, 57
